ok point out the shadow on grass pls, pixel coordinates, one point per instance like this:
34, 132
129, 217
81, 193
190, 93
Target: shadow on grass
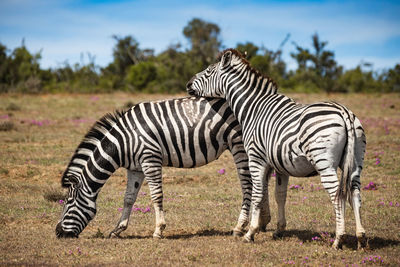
205, 232
377, 243
349, 241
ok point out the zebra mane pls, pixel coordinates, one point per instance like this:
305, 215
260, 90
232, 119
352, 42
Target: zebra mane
249, 67
106, 122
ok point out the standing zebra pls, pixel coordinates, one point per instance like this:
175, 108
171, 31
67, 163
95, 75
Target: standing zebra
293, 139
183, 133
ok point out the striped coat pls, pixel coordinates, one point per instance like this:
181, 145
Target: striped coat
293, 139
183, 133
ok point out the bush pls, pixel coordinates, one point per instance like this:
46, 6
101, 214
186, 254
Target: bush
6, 126
140, 75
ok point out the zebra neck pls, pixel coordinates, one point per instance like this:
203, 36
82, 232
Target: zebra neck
244, 98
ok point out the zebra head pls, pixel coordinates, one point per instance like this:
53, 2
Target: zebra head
79, 207
92, 164
210, 82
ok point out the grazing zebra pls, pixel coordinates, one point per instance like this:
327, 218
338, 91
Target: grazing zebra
184, 133
294, 139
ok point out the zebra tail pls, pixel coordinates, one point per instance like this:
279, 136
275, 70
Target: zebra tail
344, 190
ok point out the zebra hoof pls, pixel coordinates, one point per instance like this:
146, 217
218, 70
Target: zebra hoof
277, 235
248, 239
337, 245
237, 233
263, 228
113, 235
361, 241
157, 236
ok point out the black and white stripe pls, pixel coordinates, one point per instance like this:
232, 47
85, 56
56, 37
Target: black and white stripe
294, 139
182, 133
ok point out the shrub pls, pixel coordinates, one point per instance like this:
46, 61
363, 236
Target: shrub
7, 126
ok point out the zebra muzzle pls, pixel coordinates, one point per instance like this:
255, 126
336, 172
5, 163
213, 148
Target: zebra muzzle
60, 233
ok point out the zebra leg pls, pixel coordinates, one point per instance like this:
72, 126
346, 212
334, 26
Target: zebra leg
243, 219
265, 214
135, 180
360, 232
153, 176
280, 197
330, 182
356, 184
260, 189
242, 167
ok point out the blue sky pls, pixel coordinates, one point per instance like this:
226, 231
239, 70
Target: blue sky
357, 31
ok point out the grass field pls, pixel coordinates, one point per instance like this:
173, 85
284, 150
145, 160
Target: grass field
38, 135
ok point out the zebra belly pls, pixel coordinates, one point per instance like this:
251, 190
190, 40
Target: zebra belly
301, 167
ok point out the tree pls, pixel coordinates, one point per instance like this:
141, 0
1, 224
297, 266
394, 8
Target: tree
319, 66
4, 62
391, 79
204, 39
141, 74
126, 53
248, 49
20, 69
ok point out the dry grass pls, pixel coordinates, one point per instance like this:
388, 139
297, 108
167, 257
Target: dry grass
201, 205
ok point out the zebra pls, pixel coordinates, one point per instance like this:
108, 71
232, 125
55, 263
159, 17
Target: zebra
184, 133
294, 139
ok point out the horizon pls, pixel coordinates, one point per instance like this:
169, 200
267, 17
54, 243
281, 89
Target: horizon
357, 31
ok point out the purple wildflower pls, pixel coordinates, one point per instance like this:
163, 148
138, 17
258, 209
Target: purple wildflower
373, 258
315, 238
61, 202
94, 98
386, 129
371, 186
144, 210
39, 123
221, 171
119, 209
295, 186
147, 209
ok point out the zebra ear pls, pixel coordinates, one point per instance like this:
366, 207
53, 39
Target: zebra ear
226, 59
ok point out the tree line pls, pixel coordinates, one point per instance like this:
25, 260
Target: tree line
137, 69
